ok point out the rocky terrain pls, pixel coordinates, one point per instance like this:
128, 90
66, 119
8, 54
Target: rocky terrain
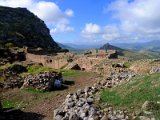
81, 104
19, 27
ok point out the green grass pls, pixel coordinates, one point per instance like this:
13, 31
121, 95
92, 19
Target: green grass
72, 73
22, 98
6, 66
12, 104
35, 69
127, 64
134, 93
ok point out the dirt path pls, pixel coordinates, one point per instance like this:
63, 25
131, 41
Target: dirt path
46, 107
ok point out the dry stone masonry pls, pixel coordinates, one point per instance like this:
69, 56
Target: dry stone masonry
43, 81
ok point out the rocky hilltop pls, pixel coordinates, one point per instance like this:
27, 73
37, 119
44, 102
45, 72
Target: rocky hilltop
108, 46
19, 27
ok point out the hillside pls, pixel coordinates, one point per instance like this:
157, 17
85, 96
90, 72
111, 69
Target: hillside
19, 27
135, 94
125, 53
151, 48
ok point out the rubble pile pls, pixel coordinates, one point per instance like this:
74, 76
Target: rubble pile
116, 78
13, 82
43, 81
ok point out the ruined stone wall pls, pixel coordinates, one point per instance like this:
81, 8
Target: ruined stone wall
55, 62
87, 63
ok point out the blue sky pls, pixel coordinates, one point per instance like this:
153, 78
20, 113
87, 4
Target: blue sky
85, 11
96, 21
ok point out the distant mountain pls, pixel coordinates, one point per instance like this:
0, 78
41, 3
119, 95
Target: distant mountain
125, 53
107, 46
151, 48
64, 46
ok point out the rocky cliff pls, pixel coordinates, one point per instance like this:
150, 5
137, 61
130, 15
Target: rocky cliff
19, 27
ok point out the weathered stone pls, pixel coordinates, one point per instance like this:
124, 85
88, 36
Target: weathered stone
144, 118
73, 116
58, 117
104, 117
90, 100
147, 105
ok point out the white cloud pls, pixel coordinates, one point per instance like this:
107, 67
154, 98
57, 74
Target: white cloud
110, 32
47, 11
91, 30
69, 12
139, 19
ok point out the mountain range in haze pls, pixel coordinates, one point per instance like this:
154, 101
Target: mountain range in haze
149, 46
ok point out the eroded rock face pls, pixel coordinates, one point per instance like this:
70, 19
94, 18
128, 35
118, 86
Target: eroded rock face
22, 28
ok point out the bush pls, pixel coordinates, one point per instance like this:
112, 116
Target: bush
9, 45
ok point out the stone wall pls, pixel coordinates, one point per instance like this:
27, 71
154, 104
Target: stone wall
87, 63
55, 62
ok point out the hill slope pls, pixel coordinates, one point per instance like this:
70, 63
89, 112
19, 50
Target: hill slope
22, 28
134, 94
151, 48
125, 53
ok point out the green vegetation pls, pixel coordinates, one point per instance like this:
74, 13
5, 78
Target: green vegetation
132, 55
9, 45
35, 69
6, 66
127, 64
72, 73
12, 104
26, 97
135, 93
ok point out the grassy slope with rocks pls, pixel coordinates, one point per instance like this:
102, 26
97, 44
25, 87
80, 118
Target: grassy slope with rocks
133, 94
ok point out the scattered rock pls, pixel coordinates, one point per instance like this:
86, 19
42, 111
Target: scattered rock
148, 105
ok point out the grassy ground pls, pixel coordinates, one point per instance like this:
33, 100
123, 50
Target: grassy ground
19, 99
133, 94
6, 66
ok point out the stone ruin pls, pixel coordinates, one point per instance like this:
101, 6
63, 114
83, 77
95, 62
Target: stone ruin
106, 54
81, 105
43, 81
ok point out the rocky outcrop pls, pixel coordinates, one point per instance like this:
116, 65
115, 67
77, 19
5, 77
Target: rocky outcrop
19, 27
7, 55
